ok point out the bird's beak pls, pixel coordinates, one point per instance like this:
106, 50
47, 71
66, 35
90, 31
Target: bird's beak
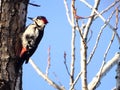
31, 18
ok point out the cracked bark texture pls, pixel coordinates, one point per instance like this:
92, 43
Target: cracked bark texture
12, 23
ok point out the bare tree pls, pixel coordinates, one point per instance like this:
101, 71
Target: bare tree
85, 34
12, 23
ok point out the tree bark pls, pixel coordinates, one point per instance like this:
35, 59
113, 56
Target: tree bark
118, 77
12, 23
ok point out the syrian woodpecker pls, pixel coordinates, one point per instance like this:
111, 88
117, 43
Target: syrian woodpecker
31, 37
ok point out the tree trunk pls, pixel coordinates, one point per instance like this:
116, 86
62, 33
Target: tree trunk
12, 23
118, 77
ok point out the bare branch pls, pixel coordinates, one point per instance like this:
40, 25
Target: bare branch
108, 8
81, 35
71, 21
117, 19
98, 38
72, 66
92, 85
80, 17
104, 20
75, 81
45, 77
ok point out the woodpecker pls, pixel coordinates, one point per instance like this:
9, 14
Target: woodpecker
32, 36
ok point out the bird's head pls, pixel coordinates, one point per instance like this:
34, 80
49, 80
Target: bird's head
40, 21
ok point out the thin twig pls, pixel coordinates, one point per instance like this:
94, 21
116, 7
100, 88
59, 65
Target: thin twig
91, 33
111, 41
57, 79
66, 63
108, 48
80, 17
36, 5
48, 62
108, 8
67, 12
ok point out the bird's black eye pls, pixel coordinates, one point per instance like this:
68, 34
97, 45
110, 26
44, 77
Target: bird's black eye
39, 17
27, 36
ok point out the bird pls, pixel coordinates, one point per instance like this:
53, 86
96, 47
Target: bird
31, 37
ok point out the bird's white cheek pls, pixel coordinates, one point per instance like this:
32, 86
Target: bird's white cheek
40, 22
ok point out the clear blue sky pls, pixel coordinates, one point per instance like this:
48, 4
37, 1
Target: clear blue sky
58, 36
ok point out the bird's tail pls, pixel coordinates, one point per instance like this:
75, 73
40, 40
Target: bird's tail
26, 61
18, 64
